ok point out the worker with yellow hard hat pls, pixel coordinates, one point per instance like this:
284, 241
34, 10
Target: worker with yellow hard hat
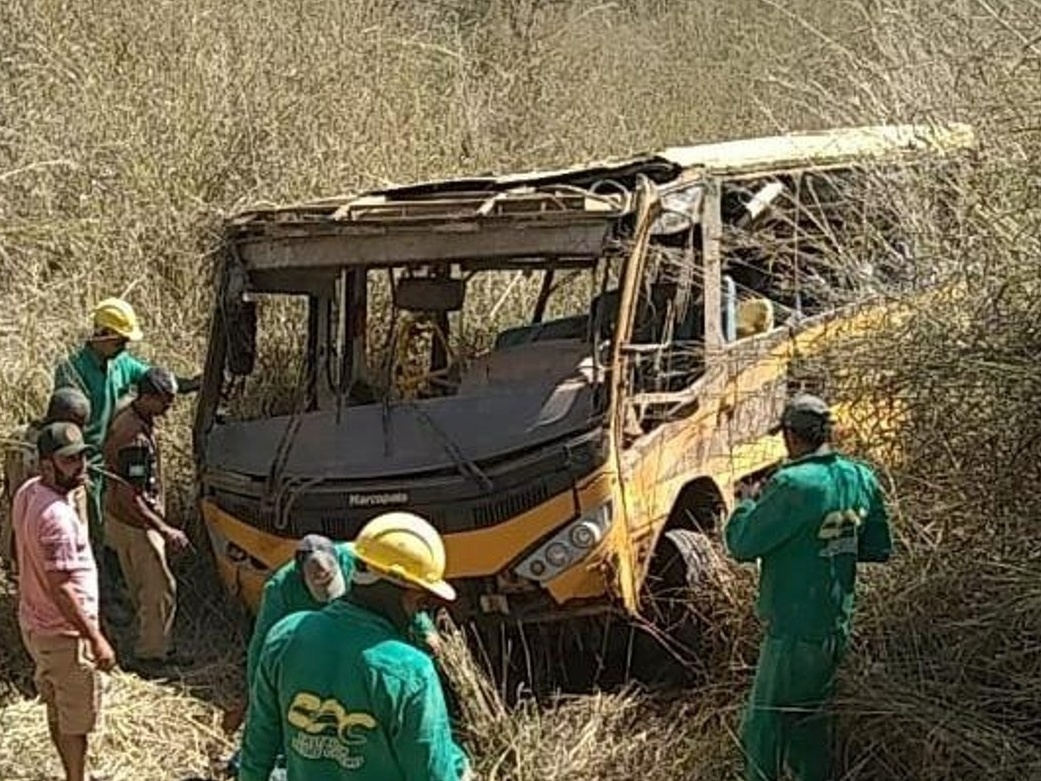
341, 692
105, 372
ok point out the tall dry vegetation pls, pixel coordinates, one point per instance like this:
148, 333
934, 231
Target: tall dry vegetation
126, 129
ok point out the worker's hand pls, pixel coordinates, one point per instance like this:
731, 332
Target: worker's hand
101, 650
749, 490
433, 642
176, 539
233, 718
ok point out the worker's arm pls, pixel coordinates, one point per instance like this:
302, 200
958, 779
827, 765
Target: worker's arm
272, 608
64, 594
758, 526
423, 632
66, 375
425, 748
262, 739
875, 543
127, 497
137, 369
189, 384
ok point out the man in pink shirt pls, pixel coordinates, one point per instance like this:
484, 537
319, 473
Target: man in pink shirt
58, 595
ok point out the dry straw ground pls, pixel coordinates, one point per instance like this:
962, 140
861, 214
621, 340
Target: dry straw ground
125, 129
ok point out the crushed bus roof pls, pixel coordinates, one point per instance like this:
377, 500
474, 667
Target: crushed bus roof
572, 208
748, 156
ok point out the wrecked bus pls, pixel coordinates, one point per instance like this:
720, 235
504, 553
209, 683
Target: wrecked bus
568, 372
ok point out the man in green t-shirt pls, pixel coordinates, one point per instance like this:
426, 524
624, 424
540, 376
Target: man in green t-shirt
341, 692
105, 373
818, 516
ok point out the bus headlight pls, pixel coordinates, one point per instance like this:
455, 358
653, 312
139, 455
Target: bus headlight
568, 546
557, 555
585, 534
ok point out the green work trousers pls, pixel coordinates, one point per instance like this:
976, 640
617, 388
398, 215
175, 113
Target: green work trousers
786, 722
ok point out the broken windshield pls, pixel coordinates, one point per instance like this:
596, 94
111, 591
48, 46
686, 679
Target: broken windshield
409, 334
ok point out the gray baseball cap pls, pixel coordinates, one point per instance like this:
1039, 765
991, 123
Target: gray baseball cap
804, 412
158, 382
320, 568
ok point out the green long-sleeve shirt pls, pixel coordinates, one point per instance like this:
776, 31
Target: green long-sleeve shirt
344, 696
814, 520
103, 383
285, 592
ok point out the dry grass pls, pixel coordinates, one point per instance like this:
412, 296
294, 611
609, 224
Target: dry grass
150, 731
125, 131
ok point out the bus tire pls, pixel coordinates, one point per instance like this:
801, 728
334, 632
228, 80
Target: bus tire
667, 642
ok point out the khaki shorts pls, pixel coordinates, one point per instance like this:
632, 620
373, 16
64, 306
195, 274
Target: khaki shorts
67, 680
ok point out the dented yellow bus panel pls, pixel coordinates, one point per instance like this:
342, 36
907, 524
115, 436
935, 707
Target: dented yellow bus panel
558, 436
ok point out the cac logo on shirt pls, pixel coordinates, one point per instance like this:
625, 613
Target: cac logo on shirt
839, 532
327, 730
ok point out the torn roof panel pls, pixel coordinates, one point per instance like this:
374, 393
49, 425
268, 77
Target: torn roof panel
749, 156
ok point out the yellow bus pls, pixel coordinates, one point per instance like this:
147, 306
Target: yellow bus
568, 372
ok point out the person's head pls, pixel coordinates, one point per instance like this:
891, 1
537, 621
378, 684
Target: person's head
400, 566
156, 392
806, 424
63, 455
115, 325
68, 405
319, 568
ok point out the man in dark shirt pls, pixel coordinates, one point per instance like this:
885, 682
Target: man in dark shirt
136, 527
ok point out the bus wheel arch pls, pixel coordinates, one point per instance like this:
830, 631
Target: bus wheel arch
699, 508
668, 643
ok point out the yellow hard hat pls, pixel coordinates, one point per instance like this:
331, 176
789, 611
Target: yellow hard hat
117, 316
403, 547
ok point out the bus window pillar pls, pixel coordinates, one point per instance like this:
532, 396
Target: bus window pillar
711, 252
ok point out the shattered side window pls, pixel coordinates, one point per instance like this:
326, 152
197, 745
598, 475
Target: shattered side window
279, 374
813, 242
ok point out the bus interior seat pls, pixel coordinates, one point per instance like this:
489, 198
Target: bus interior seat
651, 315
572, 327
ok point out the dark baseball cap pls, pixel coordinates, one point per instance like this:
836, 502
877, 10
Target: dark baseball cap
67, 403
61, 439
158, 382
804, 412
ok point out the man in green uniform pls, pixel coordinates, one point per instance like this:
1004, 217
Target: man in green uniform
814, 520
105, 372
308, 582
341, 692
319, 572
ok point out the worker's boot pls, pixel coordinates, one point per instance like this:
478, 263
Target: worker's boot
160, 667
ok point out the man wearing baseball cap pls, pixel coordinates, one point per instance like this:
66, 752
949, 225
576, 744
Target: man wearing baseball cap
58, 595
342, 692
818, 516
21, 462
136, 527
